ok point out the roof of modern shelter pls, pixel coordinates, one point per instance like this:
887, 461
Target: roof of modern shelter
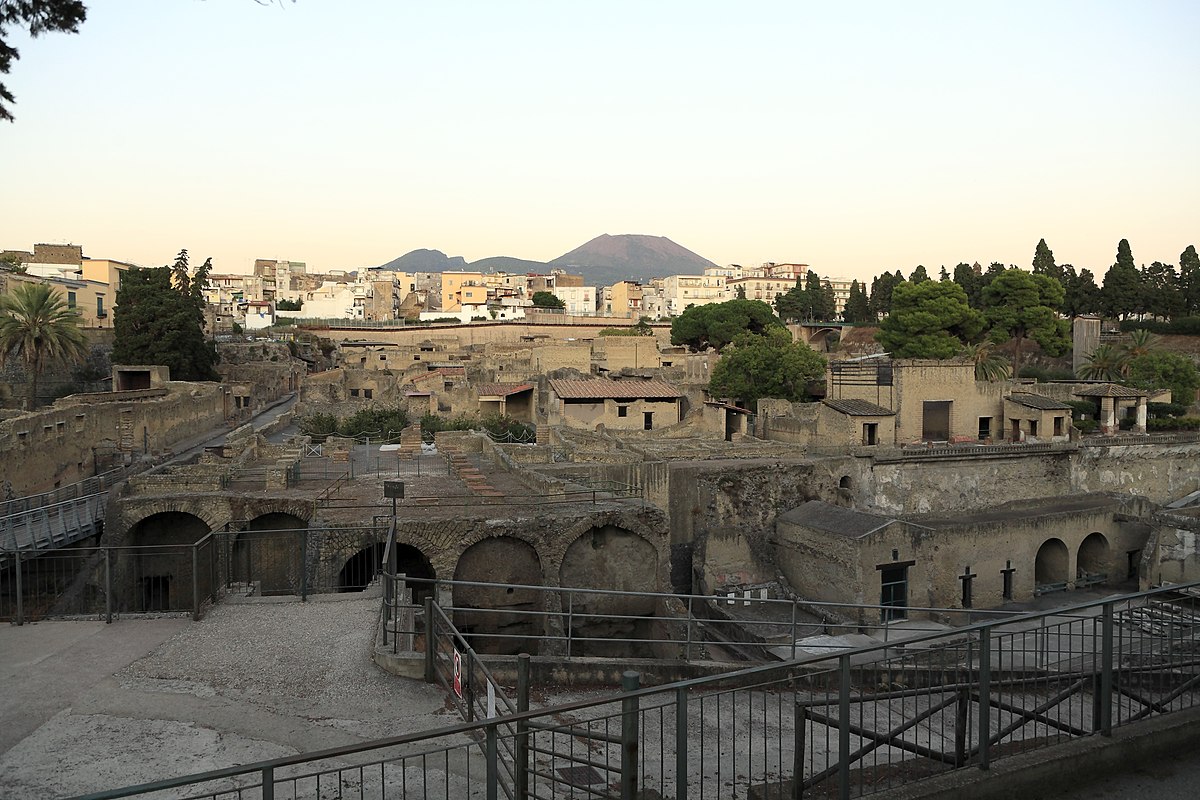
599, 388
1110, 390
503, 389
821, 516
859, 408
1038, 401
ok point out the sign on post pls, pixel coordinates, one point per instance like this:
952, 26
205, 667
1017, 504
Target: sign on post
458, 687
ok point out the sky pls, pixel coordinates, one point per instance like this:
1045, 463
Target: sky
851, 136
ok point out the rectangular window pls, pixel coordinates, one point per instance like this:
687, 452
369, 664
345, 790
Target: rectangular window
1058, 426
100, 307
893, 592
648, 420
70, 300
985, 428
1033, 427
622, 411
354, 392
1007, 574
367, 393
870, 433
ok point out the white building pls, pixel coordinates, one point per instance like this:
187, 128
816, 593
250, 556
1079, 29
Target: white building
579, 300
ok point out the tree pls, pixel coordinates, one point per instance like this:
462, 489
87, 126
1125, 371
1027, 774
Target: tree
858, 307
989, 365
970, 281
820, 297
1105, 363
547, 300
1140, 343
289, 305
1043, 262
881, 292
37, 326
1122, 292
929, 320
1020, 305
1189, 281
919, 275
1161, 297
39, 16
717, 324
1081, 294
158, 322
766, 365
795, 304
1161, 369
741, 292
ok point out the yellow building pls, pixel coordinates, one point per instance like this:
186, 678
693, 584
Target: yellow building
462, 288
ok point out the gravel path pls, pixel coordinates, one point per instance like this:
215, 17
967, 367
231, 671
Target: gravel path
249, 682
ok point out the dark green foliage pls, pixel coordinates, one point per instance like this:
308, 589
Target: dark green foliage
547, 300
1083, 408
499, 427
1045, 374
929, 320
919, 275
1161, 295
858, 307
1173, 424
1043, 262
881, 292
767, 365
1166, 409
1161, 369
1081, 294
374, 420
718, 324
811, 301
1122, 291
970, 281
289, 305
1189, 280
1086, 425
158, 322
318, 424
1182, 326
39, 16
1020, 305
37, 327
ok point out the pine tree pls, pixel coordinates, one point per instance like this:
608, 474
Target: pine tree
1189, 281
1043, 262
157, 322
858, 307
970, 281
1122, 292
919, 275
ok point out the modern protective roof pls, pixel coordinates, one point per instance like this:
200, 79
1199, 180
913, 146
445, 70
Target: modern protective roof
1038, 401
1110, 390
859, 408
821, 516
503, 389
599, 388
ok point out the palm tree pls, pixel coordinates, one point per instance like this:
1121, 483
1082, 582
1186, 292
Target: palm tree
37, 325
989, 365
1106, 363
1140, 343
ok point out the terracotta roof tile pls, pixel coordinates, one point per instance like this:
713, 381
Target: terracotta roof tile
600, 388
859, 408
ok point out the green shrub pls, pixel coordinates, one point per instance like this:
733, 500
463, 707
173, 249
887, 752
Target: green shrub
1184, 326
1166, 409
374, 420
318, 424
1082, 408
1087, 425
1173, 424
1046, 374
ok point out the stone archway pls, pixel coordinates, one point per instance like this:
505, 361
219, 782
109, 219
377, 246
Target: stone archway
511, 621
1093, 562
157, 570
609, 557
360, 569
1052, 564
412, 563
269, 553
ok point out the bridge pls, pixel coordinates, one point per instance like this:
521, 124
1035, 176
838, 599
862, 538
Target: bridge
57, 518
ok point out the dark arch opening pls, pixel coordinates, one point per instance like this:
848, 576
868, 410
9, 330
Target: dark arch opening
499, 619
159, 570
412, 563
844, 483
360, 569
610, 626
269, 553
1092, 562
1050, 566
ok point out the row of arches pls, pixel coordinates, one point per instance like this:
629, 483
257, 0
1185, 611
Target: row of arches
1093, 561
503, 619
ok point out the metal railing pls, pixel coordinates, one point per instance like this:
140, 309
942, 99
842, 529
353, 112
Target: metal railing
106, 582
89, 486
850, 723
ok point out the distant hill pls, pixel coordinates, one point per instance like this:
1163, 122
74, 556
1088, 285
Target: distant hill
602, 261
510, 264
608, 259
425, 261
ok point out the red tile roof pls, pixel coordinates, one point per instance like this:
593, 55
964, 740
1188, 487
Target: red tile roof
502, 389
451, 372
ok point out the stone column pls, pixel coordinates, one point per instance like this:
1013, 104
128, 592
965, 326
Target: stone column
1108, 415
1139, 425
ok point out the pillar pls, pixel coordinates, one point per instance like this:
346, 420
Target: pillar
1108, 416
1139, 425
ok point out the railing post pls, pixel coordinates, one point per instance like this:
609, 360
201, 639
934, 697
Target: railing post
304, 567
570, 619
1106, 669
20, 592
195, 583
108, 605
800, 717
985, 695
493, 775
388, 588
430, 642
469, 683
681, 743
521, 741
630, 682
268, 783
687, 653
794, 604
844, 727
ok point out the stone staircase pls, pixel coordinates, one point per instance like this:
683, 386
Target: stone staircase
475, 480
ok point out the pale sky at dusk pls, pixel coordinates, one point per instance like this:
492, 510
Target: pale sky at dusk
855, 137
